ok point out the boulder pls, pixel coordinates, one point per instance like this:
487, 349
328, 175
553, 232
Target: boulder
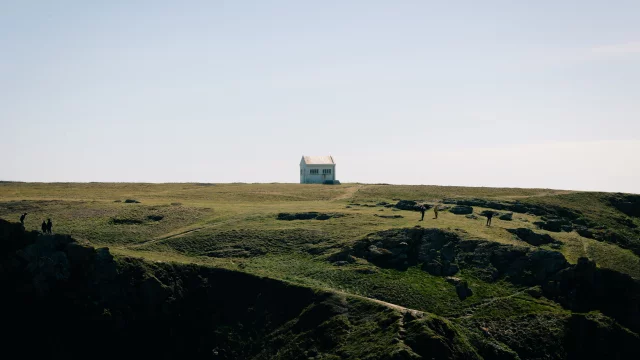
584, 232
462, 289
311, 215
389, 216
532, 238
471, 216
506, 216
342, 256
450, 269
552, 224
433, 267
535, 292
406, 205
461, 210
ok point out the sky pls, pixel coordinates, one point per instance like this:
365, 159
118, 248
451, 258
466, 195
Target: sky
505, 93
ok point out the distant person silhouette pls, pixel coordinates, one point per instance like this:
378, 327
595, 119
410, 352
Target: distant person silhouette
22, 218
422, 210
49, 226
44, 227
489, 216
435, 211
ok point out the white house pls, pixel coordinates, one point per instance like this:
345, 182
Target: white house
317, 169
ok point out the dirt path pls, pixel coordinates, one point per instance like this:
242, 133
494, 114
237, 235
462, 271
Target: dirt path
400, 308
349, 193
174, 235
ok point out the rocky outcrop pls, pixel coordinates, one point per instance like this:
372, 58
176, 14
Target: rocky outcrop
628, 204
389, 216
532, 238
312, 215
518, 207
462, 287
442, 253
580, 287
584, 287
506, 216
461, 210
408, 205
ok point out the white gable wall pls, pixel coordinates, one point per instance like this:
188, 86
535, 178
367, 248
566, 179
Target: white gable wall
307, 177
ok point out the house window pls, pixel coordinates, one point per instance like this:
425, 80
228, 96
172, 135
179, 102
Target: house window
326, 171
313, 171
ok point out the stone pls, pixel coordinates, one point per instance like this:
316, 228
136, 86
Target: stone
433, 267
566, 228
462, 289
448, 252
506, 216
452, 269
308, 216
584, 232
340, 263
535, 292
461, 210
407, 205
471, 216
532, 238
389, 216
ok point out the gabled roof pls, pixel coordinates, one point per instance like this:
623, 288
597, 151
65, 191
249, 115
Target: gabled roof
318, 160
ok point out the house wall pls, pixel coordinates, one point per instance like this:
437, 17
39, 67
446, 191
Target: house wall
307, 178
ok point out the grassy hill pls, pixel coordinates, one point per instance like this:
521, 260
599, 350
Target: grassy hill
356, 246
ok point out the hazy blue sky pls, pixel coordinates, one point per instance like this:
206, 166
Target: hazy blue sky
490, 93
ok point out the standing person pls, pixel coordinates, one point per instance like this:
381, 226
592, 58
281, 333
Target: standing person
435, 211
49, 226
44, 227
489, 216
422, 210
22, 218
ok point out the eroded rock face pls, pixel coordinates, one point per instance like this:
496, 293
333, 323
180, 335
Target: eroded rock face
584, 287
442, 253
629, 204
581, 287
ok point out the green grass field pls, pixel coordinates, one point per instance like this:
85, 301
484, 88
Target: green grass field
224, 223
235, 226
